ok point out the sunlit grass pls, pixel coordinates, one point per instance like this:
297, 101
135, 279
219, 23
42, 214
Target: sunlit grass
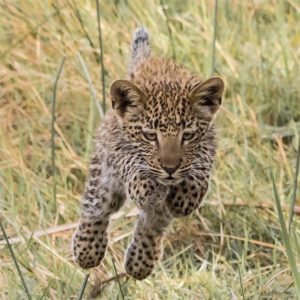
232, 246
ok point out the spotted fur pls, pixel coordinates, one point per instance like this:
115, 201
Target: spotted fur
140, 50
155, 146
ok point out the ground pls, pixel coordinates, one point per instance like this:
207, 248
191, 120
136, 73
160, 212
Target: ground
232, 248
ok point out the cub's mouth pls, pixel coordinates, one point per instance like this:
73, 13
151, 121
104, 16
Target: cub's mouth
169, 180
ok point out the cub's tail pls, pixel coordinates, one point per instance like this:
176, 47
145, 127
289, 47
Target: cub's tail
140, 50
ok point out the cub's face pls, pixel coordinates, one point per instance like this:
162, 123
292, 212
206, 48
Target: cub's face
170, 124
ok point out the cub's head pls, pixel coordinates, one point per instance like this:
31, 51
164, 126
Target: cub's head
171, 122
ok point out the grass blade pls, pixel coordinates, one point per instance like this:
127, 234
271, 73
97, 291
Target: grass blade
85, 32
286, 240
83, 286
91, 86
295, 188
117, 276
53, 117
213, 47
241, 282
164, 9
101, 55
15, 261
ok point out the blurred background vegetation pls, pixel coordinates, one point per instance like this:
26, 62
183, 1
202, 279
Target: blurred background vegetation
234, 247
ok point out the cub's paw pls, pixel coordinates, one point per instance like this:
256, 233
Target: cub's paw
89, 246
141, 257
180, 206
179, 210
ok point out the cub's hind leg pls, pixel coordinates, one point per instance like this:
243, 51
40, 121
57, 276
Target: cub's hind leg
103, 195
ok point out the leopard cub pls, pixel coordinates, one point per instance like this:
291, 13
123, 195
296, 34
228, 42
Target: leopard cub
155, 146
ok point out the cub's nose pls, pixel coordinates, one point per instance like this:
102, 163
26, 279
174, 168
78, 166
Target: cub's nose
169, 153
170, 170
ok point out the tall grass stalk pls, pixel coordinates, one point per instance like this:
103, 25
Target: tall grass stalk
241, 282
15, 261
83, 286
53, 119
101, 55
79, 18
214, 37
294, 196
165, 11
91, 86
118, 279
286, 240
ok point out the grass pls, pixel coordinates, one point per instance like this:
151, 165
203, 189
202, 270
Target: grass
286, 239
15, 261
235, 246
81, 293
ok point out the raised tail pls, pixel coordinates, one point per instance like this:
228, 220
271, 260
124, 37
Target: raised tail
140, 50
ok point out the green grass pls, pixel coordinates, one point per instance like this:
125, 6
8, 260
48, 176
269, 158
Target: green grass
286, 239
235, 246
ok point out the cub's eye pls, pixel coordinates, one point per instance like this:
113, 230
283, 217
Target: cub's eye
150, 136
187, 136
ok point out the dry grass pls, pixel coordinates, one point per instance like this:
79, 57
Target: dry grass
233, 245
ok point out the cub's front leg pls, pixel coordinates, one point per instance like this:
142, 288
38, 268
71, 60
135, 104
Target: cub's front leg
185, 197
103, 195
145, 248
145, 191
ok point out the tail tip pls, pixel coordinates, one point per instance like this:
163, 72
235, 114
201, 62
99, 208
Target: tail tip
140, 50
140, 35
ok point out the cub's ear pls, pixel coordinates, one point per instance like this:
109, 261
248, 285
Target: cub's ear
207, 96
126, 97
